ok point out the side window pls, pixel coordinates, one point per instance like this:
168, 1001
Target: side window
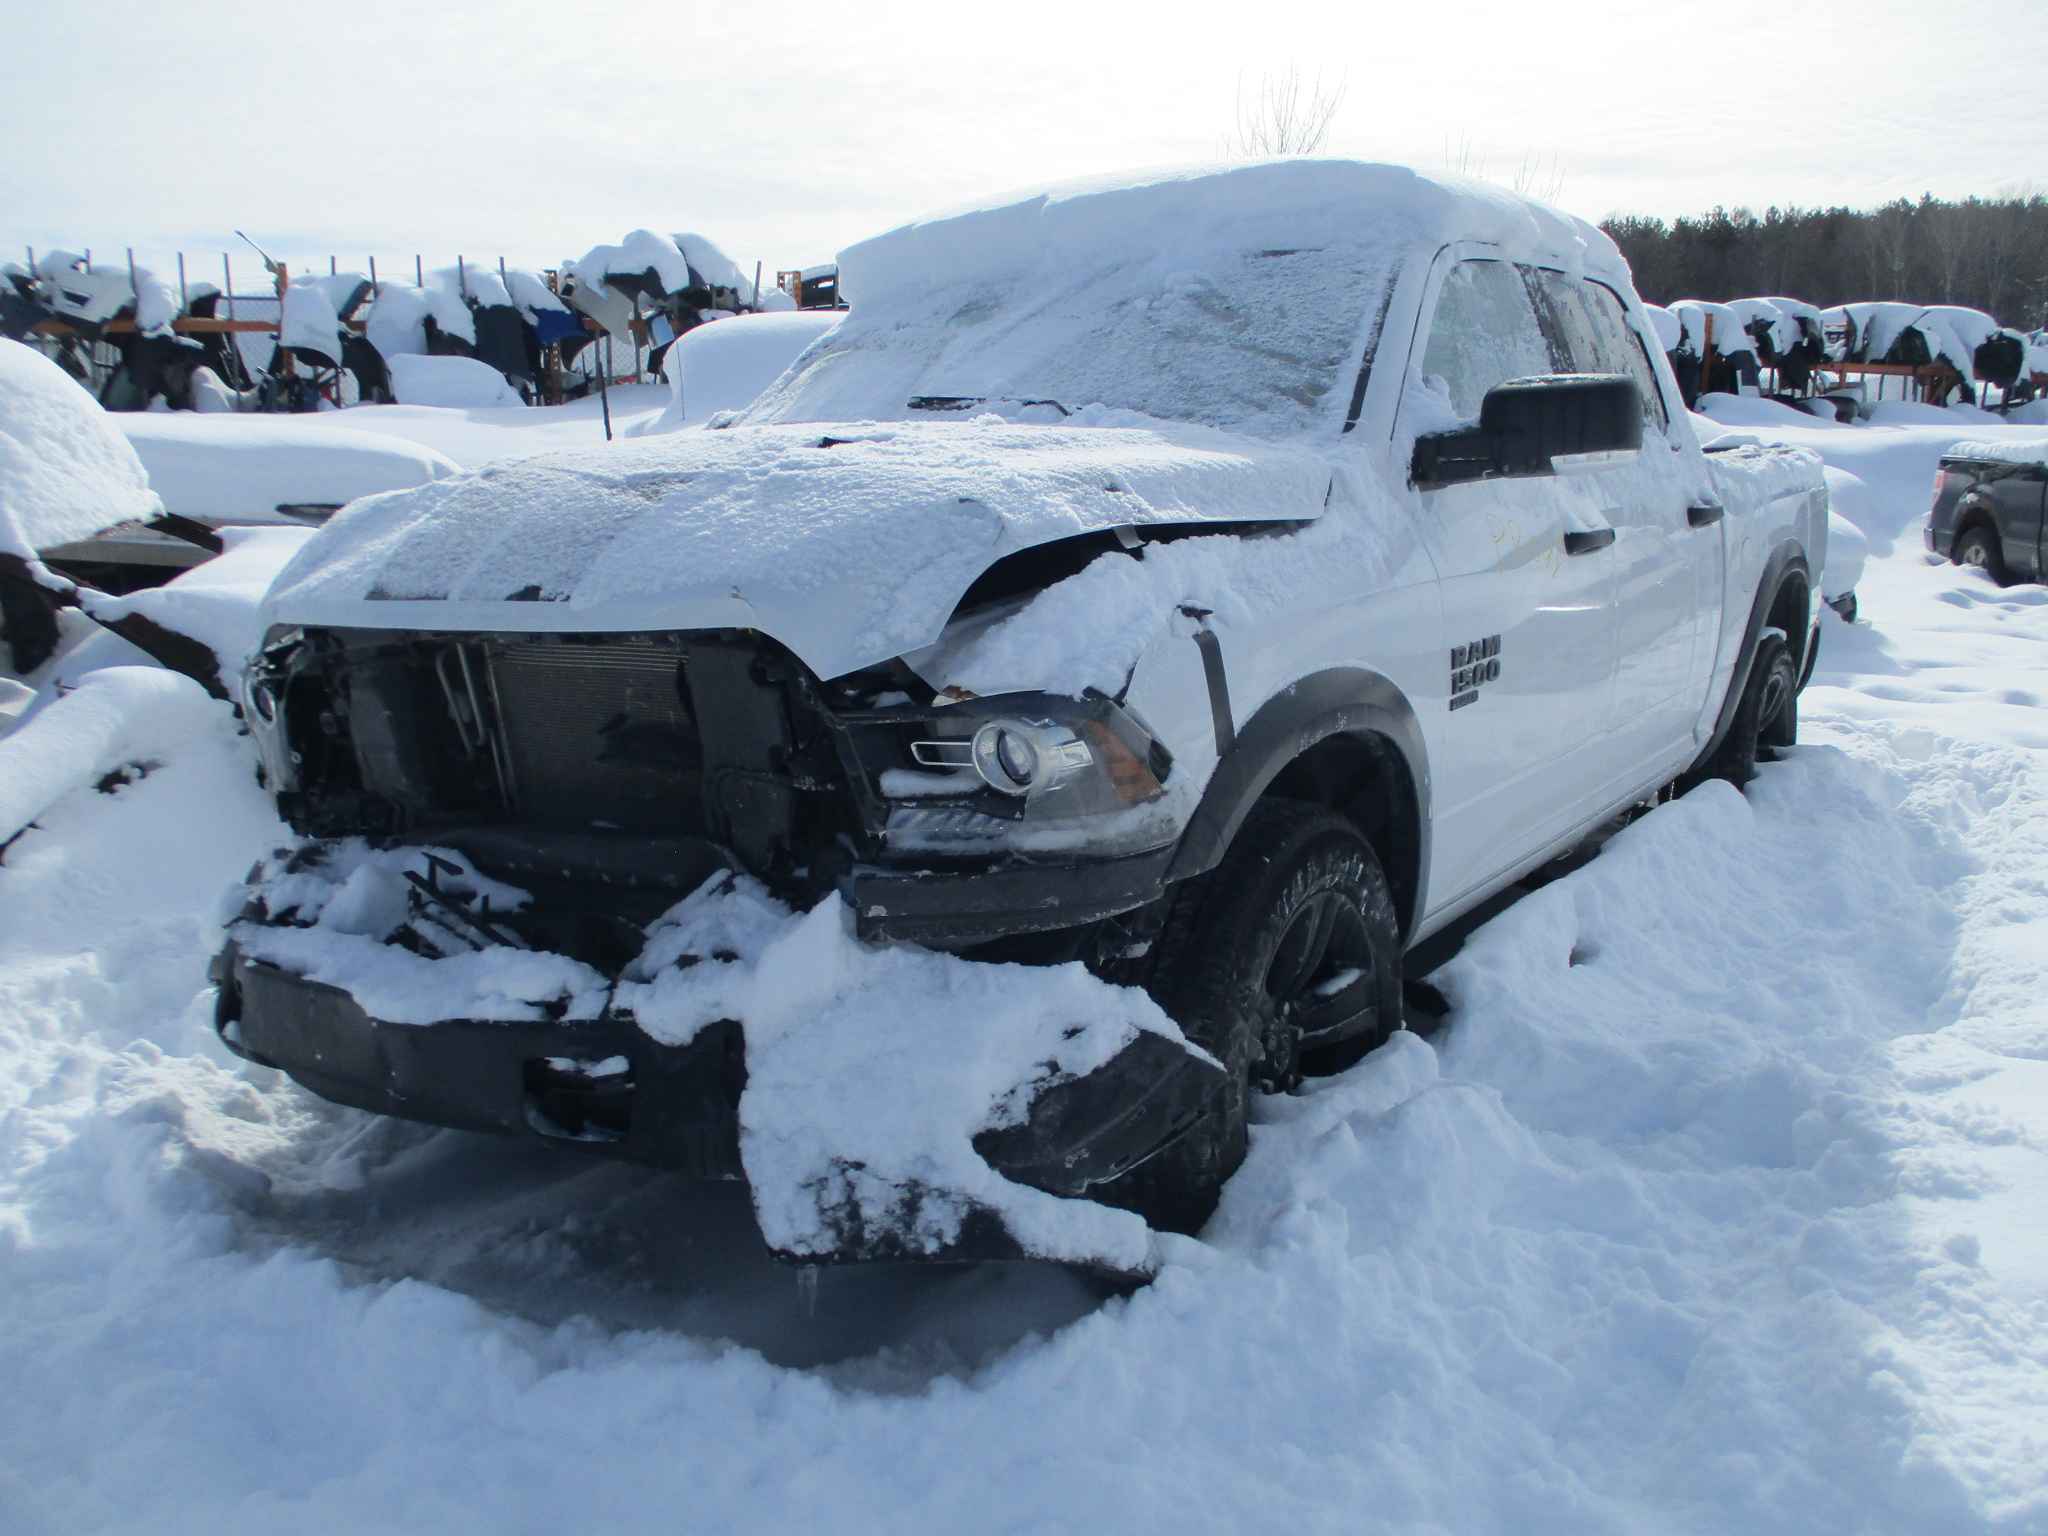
1589, 333
1483, 333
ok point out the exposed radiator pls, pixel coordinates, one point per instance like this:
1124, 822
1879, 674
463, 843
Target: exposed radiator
598, 734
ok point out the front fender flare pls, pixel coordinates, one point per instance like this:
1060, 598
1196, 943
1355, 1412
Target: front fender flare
1343, 701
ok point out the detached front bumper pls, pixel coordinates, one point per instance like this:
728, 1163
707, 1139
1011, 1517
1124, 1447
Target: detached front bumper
605, 1086
601, 1084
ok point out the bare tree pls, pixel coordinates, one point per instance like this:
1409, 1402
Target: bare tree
1285, 116
1541, 176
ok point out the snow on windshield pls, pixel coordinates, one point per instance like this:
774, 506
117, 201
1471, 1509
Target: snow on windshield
1243, 299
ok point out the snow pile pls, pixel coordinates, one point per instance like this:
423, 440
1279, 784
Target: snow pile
1765, 315
66, 472
723, 367
849, 547
1244, 297
1849, 511
246, 467
449, 381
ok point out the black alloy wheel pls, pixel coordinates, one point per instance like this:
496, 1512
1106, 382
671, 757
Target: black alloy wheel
1283, 959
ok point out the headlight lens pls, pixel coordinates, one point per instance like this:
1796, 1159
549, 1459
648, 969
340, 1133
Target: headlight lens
1024, 770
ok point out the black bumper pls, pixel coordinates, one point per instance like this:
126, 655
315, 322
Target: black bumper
671, 1107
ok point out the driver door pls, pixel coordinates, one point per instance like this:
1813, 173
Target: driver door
1529, 669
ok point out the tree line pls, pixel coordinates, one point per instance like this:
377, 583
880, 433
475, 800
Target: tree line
1988, 253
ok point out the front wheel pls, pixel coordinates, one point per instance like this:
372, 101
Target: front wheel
1288, 949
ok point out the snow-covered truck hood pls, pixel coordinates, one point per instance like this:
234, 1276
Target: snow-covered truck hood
849, 544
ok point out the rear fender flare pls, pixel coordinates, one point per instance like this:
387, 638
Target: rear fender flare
1343, 701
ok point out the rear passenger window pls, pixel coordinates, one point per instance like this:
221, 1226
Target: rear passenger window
1588, 330
1484, 332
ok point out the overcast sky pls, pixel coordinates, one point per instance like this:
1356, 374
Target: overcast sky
534, 131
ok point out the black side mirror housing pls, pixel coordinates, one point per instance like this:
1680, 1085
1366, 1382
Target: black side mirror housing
1527, 424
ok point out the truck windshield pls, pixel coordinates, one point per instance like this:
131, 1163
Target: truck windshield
1263, 341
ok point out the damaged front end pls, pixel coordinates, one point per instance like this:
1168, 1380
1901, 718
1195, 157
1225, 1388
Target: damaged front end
481, 929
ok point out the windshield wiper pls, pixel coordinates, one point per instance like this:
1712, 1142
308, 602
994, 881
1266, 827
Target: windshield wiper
969, 402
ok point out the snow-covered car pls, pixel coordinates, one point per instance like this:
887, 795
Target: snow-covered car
1988, 508
1223, 581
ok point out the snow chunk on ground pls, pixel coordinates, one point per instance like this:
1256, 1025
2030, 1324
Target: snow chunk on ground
449, 381
66, 472
245, 467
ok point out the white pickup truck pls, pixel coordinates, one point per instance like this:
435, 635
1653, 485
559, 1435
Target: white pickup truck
1225, 579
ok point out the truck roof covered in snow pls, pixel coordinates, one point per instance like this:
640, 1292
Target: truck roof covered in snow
1245, 297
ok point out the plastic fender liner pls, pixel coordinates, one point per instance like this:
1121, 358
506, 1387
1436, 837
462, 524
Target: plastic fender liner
1786, 562
1344, 701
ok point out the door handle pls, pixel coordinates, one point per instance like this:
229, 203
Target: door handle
1704, 514
1584, 542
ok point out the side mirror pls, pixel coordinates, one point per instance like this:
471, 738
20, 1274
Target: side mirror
1526, 425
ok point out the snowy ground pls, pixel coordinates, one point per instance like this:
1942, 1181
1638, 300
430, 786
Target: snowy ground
1719, 1204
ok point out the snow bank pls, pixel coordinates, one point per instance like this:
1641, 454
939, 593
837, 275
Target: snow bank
849, 547
1849, 509
245, 467
449, 381
66, 472
723, 367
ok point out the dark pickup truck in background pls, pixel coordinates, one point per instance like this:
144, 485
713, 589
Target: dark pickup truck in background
1988, 508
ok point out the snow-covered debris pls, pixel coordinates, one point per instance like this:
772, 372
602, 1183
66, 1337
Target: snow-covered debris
244, 468
1729, 329
219, 602
396, 321
97, 292
311, 322
723, 367
66, 471
717, 269
531, 294
849, 547
640, 254
449, 381
1763, 320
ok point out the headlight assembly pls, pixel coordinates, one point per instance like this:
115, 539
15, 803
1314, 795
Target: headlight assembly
1017, 770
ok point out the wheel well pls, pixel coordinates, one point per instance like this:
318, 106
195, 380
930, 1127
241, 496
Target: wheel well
1789, 609
1977, 517
1365, 778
